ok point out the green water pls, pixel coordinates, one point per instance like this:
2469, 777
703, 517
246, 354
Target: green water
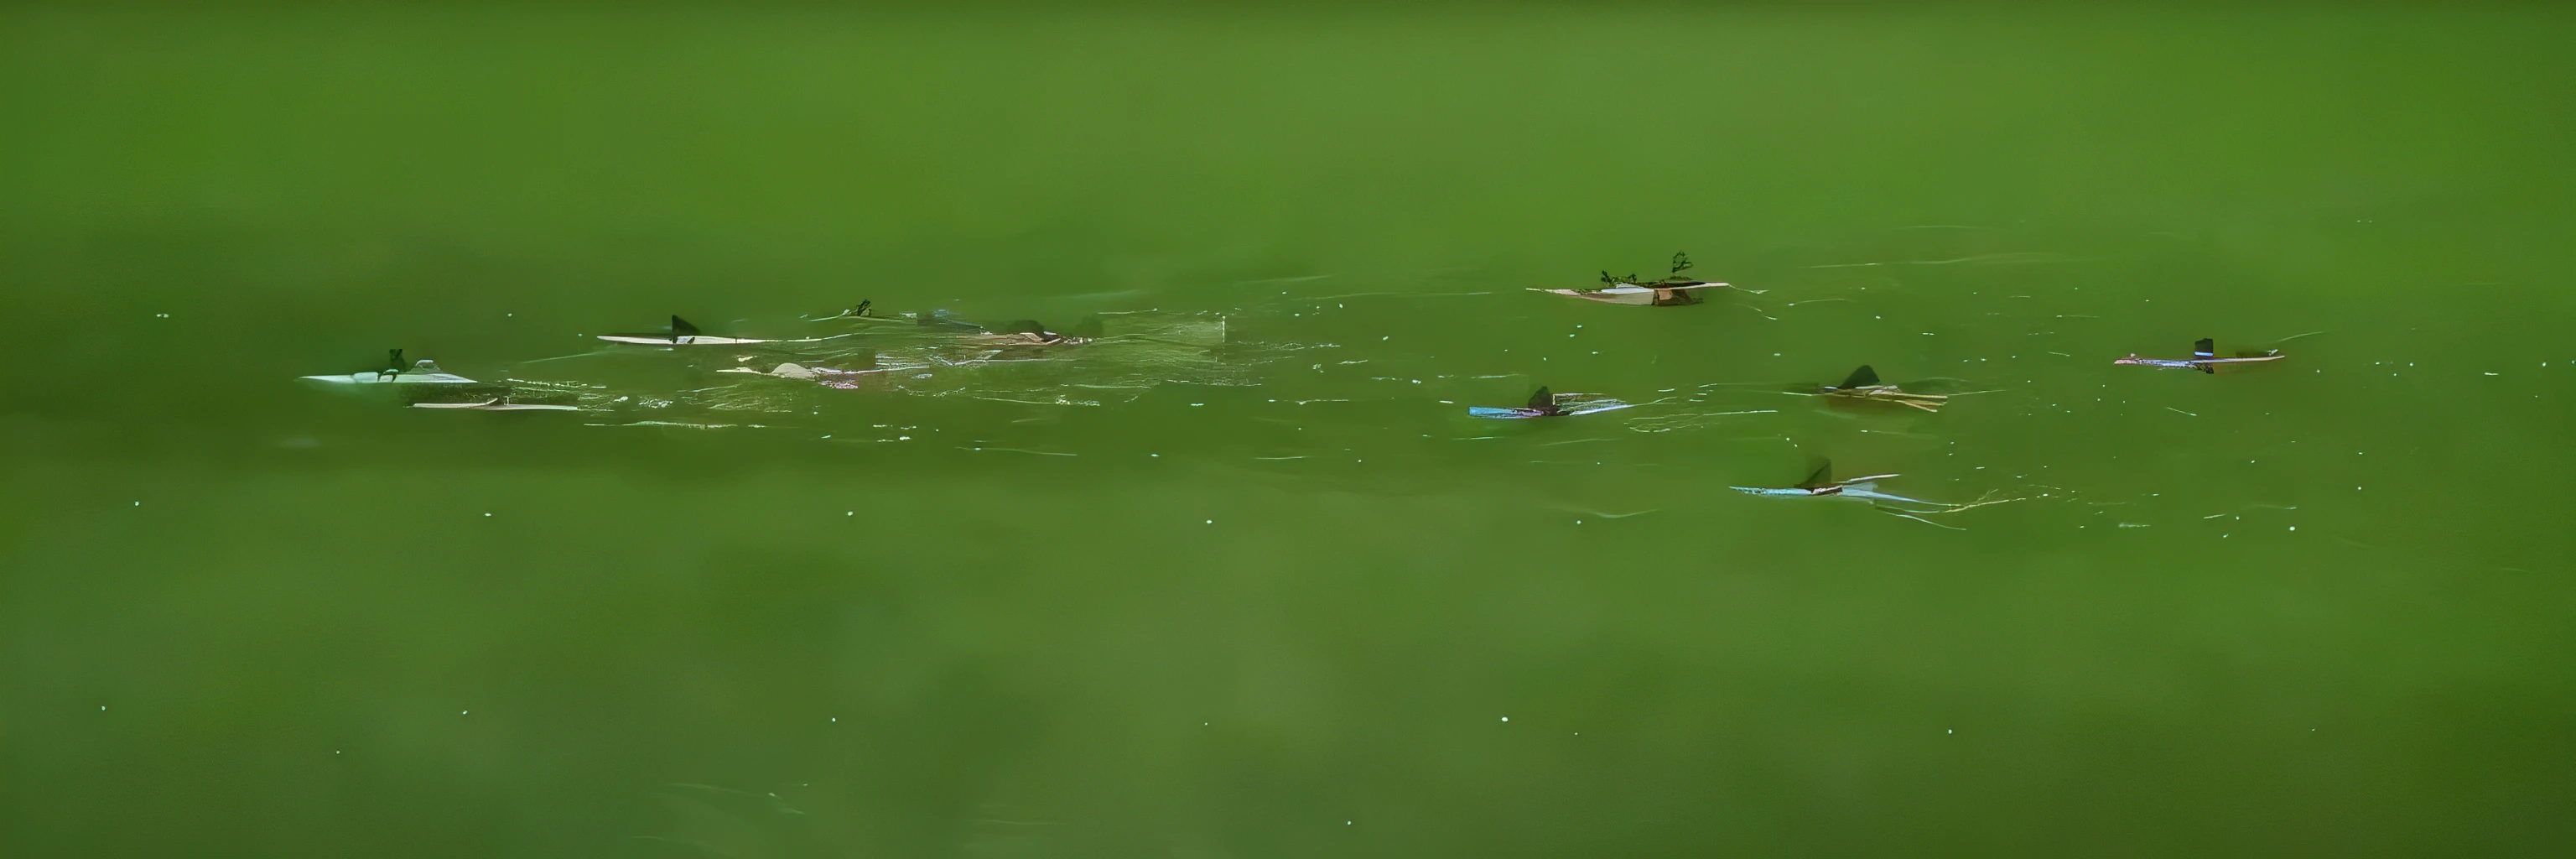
1290, 601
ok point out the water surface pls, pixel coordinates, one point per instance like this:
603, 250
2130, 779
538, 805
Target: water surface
1277, 595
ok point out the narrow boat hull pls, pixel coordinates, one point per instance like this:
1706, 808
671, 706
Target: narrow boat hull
375, 378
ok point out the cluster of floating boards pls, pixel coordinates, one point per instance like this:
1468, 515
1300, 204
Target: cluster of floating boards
461, 393
1863, 384
425, 385
425, 374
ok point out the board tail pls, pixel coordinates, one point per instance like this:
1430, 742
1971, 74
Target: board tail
1861, 378
2205, 348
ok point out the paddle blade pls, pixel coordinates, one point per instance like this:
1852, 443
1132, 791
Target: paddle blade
1823, 476
1861, 378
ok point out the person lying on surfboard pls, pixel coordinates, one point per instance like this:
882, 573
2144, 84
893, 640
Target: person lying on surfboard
423, 385
2204, 357
1546, 404
857, 311
1674, 289
1022, 332
1863, 384
1030, 332
829, 377
421, 372
508, 401
1821, 484
684, 334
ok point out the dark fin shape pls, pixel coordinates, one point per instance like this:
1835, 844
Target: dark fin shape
393, 361
1861, 378
1824, 475
1023, 326
862, 309
1544, 399
681, 328
1089, 328
2206, 348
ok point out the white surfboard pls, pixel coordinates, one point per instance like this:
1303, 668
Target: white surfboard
1626, 293
685, 334
696, 340
403, 378
496, 405
421, 372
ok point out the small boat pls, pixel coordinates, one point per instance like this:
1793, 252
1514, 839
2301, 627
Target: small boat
1863, 384
499, 404
2204, 357
1030, 332
1674, 289
1546, 404
1822, 484
422, 372
857, 313
684, 334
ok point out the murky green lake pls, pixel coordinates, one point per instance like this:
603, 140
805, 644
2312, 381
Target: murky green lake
1242, 579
